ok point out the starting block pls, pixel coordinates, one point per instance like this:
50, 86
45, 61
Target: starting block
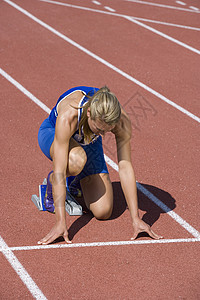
72, 207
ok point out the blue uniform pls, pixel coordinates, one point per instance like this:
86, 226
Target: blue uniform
95, 157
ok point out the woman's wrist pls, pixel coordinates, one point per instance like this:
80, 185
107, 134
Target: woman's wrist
135, 217
60, 215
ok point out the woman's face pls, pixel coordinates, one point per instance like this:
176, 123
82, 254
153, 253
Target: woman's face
97, 126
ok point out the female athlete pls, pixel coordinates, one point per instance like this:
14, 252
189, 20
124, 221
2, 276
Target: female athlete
72, 138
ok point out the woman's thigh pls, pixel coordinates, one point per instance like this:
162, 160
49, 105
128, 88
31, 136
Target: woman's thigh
46, 135
98, 194
76, 158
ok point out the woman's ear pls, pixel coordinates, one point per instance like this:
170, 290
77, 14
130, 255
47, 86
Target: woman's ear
88, 112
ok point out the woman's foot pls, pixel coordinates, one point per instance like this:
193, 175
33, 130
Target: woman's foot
48, 199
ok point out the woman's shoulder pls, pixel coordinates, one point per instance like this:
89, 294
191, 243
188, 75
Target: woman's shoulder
67, 111
69, 103
84, 89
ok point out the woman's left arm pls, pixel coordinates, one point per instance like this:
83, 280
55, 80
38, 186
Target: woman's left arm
127, 176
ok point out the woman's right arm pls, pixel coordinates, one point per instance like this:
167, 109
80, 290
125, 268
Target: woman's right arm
60, 160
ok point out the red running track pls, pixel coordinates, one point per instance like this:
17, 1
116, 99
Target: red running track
165, 150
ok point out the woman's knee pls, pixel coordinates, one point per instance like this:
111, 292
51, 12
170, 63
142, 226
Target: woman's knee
103, 213
77, 160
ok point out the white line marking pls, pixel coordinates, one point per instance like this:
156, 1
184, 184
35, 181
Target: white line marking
180, 2
21, 271
103, 61
133, 19
96, 2
165, 23
118, 15
164, 35
25, 91
130, 18
148, 194
195, 8
109, 8
101, 244
161, 5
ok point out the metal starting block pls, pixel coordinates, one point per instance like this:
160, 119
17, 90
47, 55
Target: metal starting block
72, 207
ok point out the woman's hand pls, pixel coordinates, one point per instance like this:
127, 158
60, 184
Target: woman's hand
58, 230
141, 226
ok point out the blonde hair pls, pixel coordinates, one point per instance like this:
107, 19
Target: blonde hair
104, 106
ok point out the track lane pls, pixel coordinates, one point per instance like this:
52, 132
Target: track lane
123, 273
146, 66
188, 17
126, 258
189, 37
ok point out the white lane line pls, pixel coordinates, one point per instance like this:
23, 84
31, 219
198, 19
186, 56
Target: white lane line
118, 15
180, 2
21, 271
109, 161
96, 2
25, 91
195, 8
161, 5
165, 23
106, 63
163, 35
109, 8
133, 19
102, 244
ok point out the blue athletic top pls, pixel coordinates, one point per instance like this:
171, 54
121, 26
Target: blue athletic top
90, 91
